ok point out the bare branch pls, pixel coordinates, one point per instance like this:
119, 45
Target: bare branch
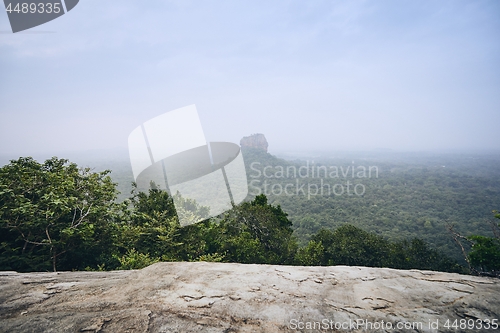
82, 217
48, 235
456, 236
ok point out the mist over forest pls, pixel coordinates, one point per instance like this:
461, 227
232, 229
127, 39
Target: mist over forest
405, 195
250, 165
393, 106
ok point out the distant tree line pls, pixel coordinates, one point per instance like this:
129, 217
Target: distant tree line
413, 196
56, 216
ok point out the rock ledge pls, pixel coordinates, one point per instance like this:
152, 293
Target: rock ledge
222, 297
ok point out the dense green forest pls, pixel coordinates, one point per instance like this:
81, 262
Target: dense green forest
57, 216
408, 195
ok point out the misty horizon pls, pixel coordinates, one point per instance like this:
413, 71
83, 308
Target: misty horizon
321, 76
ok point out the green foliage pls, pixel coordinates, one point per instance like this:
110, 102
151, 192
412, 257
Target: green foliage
311, 255
58, 216
352, 246
484, 255
254, 232
151, 204
54, 215
212, 257
414, 195
257, 232
149, 227
135, 260
416, 254
100, 268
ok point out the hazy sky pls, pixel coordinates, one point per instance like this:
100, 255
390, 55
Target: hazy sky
404, 75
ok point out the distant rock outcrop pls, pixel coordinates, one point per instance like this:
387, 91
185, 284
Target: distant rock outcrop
222, 297
256, 141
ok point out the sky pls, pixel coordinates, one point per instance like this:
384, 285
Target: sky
310, 75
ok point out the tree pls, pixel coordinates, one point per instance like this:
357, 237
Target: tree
151, 225
256, 232
311, 255
483, 255
152, 228
416, 254
54, 215
347, 245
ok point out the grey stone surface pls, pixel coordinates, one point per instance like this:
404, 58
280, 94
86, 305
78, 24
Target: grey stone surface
255, 141
222, 297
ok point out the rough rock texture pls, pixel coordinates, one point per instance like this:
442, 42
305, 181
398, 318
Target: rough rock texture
220, 297
256, 141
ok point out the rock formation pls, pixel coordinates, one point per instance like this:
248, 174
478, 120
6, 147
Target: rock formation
223, 297
256, 141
